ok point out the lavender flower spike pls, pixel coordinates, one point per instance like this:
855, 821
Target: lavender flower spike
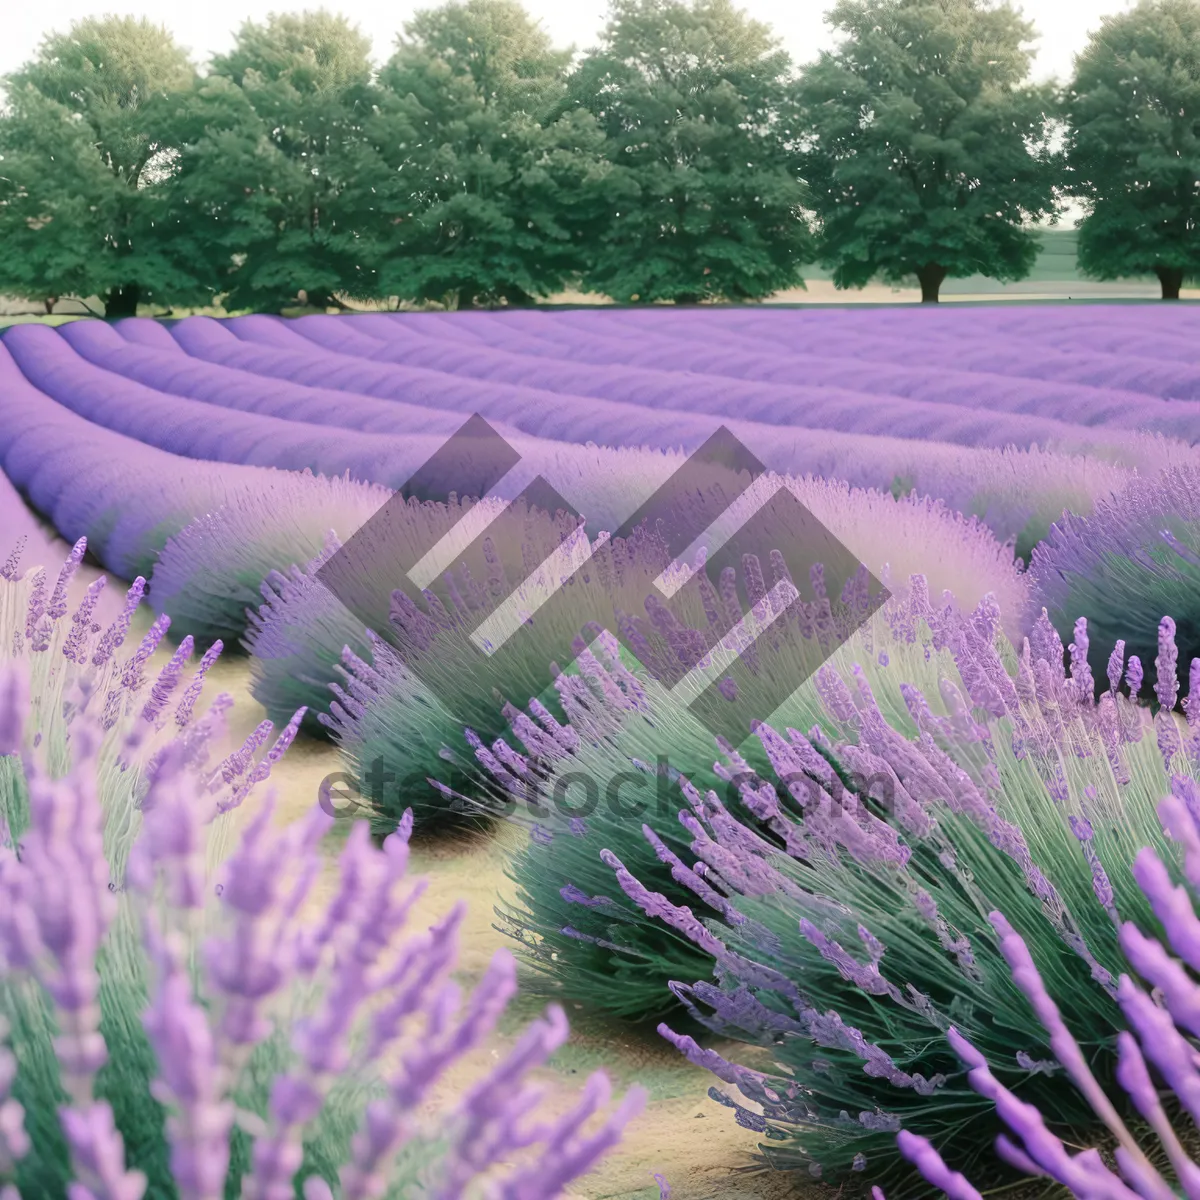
1134, 1078
114, 636
655, 904
1116, 666
1066, 1049
920, 1152
189, 1081
1167, 664
98, 1154
167, 681
58, 600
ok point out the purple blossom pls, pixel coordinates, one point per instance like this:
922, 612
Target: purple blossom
113, 637
58, 600
654, 904
75, 647
1133, 676
1116, 666
1167, 665
167, 681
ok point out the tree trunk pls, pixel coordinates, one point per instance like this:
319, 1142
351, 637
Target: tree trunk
930, 277
122, 301
322, 298
1171, 279
49, 303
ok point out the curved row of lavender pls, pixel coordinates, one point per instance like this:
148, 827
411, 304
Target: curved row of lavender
829, 393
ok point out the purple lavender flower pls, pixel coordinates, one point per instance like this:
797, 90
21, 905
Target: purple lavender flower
75, 647
1167, 665
58, 600
113, 637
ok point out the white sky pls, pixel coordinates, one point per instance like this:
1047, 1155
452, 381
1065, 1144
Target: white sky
206, 26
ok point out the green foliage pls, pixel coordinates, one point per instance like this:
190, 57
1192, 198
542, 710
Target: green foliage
703, 199
926, 151
87, 148
610, 954
472, 184
270, 141
1133, 148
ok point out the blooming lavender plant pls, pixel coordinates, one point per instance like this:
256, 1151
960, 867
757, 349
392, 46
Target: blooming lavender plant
400, 718
1132, 560
392, 723
842, 923
210, 573
1161, 1024
299, 633
271, 1025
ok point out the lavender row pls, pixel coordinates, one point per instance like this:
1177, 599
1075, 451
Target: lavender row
775, 388
615, 406
836, 362
1084, 355
1009, 490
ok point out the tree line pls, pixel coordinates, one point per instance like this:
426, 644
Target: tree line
683, 159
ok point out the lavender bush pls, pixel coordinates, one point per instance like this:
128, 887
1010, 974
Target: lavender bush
404, 736
184, 1015
210, 574
1160, 1026
605, 951
299, 636
1136, 557
842, 925
634, 743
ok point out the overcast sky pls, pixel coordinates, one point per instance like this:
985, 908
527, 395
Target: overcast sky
206, 26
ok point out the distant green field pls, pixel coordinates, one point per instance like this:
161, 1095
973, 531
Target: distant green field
1054, 272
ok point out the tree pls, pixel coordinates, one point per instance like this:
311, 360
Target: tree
86, 152
479, 178
269, 144
927, 153
704, 200
1133, 146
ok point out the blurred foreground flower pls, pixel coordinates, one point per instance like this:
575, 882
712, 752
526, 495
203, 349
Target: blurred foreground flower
185, 1015
1162, 1024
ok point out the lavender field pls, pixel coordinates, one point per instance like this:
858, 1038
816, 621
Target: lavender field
767, 972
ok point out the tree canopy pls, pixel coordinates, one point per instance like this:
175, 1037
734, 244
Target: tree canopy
1133, 147
478, 179
270, 141
86, 146
926, 150
703, 199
